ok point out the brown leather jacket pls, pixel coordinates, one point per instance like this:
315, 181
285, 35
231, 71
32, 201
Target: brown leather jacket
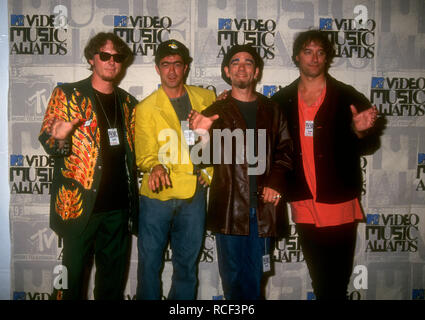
228, 209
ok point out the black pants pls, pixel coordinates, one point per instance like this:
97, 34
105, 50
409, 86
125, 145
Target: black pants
329, 254
107, 237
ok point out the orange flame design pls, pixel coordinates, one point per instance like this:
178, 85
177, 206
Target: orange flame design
80, 164
68, 203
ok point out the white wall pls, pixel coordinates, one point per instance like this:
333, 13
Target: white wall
4, 185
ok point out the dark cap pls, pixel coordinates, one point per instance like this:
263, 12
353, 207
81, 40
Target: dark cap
241, 48
172, 47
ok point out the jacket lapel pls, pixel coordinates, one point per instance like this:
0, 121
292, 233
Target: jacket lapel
196, 100
167, 111
170, 117
262, 117
232, 109
293, 106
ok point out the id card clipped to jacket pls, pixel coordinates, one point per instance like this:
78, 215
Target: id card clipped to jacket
113, 137
266, 259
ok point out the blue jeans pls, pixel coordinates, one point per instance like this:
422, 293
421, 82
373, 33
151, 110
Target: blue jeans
240, 262
181, 221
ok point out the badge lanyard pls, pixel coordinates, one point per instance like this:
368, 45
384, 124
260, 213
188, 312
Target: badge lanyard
266, 258
309, 126
112, 131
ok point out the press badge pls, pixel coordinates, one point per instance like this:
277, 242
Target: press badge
266, 263
113, 137
309, 128
189, 136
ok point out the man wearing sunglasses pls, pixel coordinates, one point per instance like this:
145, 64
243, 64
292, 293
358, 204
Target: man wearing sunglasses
89, 129
172, 199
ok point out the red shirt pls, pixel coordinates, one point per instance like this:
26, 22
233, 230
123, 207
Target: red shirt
310, 211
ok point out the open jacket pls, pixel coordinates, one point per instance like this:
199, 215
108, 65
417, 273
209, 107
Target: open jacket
78, 165
229, 199
337, 149
159, 140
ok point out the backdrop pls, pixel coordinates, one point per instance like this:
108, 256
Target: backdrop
380, 51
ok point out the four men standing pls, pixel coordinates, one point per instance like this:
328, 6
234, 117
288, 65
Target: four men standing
94, 183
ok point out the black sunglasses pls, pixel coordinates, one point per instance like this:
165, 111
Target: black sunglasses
105, 56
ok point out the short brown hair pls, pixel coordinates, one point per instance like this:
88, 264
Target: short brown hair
100, 39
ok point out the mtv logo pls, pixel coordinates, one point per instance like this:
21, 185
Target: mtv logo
421, 158
377, 82
372, 219
41, 240
224, 24
17, 20
268, 91
418, 294
120, 21
325, 24
34, 95
311, 296
16, 160
19, 295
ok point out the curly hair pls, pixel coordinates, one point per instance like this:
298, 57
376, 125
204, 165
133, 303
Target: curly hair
320, 37
100, 39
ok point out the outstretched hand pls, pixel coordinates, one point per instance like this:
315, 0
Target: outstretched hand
363, 121
60, 129
200, 123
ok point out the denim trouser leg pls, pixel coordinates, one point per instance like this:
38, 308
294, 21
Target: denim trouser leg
187, 235
154, 223
183, 221
240, 262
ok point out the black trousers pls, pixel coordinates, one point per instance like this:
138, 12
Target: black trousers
329, 255
107, 238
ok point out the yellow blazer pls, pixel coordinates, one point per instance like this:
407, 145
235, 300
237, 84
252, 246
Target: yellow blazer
159, 140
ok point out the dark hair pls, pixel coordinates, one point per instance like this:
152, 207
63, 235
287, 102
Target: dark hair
320, 37
241, 48
100, 39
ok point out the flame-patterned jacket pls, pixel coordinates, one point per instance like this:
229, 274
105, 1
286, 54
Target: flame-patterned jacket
78, 164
